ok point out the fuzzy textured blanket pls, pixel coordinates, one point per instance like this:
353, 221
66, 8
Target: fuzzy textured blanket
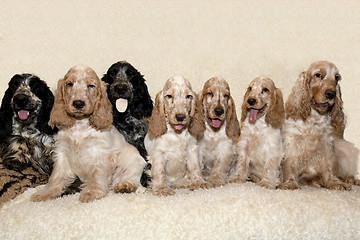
236, 211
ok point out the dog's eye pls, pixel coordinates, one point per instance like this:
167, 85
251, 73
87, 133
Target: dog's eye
210, 94
91, 86
318, 75
249, 89
337, 78
169, 96
189, 96
265, 90
69, 84
226, 95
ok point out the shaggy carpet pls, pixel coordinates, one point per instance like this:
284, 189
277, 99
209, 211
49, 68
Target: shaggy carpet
235, 211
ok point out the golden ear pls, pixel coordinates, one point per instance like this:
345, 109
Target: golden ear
102, 117
232, 123
197, 123
58, 116
157, 125
298, 104
276, 114
243, 106
337, 115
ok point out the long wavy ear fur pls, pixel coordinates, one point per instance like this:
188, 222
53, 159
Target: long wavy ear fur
298, 105
243, 106
197, 123
276, 114
157, 125
337, 115
58, 116
102, 117
232, 123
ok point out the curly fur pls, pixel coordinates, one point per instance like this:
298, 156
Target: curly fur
125, 82
175, 126
217, 147
313, 132
260, 146
25, 137
87, 145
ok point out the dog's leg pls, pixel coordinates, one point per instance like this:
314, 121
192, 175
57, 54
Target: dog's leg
193, 167
242, 164
159, 186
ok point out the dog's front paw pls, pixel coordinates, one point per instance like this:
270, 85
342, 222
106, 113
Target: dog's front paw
337, 185
125, 187
237, 179
198, 183
42, 196
266, 184
163, 191
91, 195
215, 182
289, 185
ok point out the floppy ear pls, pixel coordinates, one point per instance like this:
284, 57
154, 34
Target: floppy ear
58, 116
232, 123
243, 106
6, 112
102, 117
197, 123
337, 115
157, 125
276, 114
298, 104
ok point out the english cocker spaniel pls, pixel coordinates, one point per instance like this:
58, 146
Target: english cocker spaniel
315, 152
217, 147
175, 126
131, 106
87, 145
26, 140
260, 146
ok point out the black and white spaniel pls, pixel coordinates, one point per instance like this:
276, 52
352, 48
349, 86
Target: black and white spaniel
132, 105
25, 137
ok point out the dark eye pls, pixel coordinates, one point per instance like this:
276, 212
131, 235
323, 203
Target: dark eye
265, 90
318, 75
249, 89
226, 96
169, 96
91, 86
210, 94
69, 84
189, 96
337, 77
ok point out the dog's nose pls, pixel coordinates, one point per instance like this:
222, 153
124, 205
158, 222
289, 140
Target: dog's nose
180, 117
251, 101
329, 94
21, 99
219, 111
78, 104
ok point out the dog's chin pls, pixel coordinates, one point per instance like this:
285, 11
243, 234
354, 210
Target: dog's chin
322, 108
78, 115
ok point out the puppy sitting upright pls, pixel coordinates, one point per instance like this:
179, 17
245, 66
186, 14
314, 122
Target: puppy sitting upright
217, 148
260, 146
175, 125
87, 145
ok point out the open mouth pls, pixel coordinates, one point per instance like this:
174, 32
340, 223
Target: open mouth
23, 114
215, 122
254, 113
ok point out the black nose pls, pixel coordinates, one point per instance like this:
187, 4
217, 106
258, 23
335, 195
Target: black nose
78, 104
180, 117
121, 88
21, 99
329, 94
219, 111
251, 101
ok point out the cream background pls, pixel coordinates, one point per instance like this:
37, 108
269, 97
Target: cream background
197, 39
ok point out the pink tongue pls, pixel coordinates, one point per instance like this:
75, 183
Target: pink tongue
178, 126
216, 123
253, 115
23, 114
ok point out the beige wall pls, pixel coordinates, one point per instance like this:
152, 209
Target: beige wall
197, 39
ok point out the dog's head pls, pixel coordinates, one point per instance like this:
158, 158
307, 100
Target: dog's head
262, 98
28, 101
126, 86
81, 94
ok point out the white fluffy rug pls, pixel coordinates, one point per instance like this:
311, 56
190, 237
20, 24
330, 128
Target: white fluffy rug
236, 211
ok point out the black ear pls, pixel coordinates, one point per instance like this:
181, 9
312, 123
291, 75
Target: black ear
6, 112
42, 91
142, 105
